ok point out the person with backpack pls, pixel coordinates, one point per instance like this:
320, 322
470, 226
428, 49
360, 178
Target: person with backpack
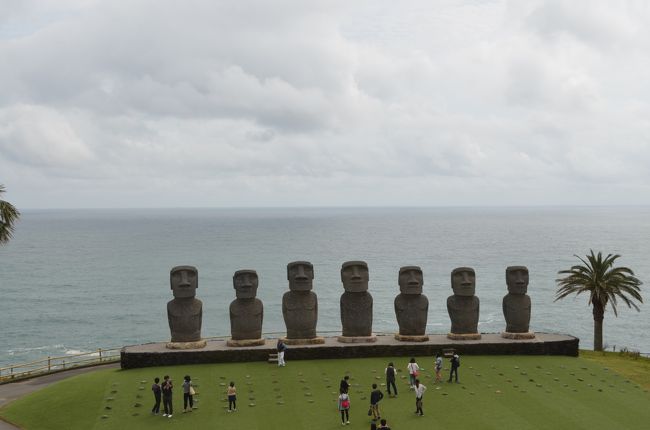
375, 397
344, 407
455, 364
166, 389
390, 378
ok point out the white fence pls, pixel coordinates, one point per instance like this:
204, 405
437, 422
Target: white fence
56, 364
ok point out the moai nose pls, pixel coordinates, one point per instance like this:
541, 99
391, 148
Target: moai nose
301, 273
412, 279
184, 281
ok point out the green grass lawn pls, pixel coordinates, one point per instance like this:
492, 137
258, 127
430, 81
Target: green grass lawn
496, 392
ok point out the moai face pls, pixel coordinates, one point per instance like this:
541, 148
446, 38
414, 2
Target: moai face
300, 275
410, 280
245, 283
184, 281
517, 279
463, 281
354, 275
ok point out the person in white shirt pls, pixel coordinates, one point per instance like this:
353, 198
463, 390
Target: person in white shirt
419, 392
414, 370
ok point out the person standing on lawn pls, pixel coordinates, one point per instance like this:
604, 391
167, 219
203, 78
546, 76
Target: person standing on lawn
414, 371
344, 407
455, 364
438, 366
188, 394
375, 397
166, 389
155, 388
419, 392
232, 397
390, 378
345, 385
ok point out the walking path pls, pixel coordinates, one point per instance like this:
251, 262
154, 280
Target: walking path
15, 390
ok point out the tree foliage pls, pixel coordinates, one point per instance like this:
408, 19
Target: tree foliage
605, 284
8, 216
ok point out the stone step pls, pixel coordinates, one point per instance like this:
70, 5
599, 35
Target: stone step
273, 358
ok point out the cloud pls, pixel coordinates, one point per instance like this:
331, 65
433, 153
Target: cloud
257, 102
41, 137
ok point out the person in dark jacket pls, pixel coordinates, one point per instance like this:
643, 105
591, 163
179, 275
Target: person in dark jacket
155, 388
345, 385
166, 389
390, 378
455, 364
375, 397
282, 348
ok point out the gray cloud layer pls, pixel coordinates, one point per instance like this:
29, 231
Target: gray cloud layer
201, 103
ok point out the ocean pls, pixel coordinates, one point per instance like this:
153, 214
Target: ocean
77, 280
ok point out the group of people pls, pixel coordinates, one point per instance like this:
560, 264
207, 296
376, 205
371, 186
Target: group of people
164, 392
391, 373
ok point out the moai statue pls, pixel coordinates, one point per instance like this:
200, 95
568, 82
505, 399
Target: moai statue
463, 306
246, 311
185, 311
356, 304
516, 304
411, 306
300, 305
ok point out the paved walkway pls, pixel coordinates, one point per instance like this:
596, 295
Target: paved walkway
16, 390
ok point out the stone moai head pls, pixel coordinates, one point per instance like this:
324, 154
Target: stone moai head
245, 283
184, 281
354, 275
410, 280
300, 275
463, 281
517, 279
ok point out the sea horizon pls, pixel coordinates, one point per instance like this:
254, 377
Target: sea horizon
79, 279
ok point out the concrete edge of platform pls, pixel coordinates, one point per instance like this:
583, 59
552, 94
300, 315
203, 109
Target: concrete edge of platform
154, 354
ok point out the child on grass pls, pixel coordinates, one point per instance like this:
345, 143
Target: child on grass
344, 407
232, 397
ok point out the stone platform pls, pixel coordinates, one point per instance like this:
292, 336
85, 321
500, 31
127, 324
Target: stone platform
216, 351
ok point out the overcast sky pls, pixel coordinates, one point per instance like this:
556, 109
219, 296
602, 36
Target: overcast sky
153, 103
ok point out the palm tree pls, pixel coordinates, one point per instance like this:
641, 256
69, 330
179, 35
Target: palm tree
604, 283
8, 215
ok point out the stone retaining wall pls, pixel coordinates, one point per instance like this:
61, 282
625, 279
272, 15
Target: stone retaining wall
216, 351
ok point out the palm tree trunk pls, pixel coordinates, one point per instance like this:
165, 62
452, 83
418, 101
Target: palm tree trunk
599, 314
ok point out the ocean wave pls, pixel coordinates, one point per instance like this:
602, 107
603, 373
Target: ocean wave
19, 351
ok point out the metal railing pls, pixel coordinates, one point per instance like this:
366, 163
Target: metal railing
50, 364
57, 364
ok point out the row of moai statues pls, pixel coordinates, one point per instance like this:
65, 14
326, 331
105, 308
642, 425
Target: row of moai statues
300, 306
